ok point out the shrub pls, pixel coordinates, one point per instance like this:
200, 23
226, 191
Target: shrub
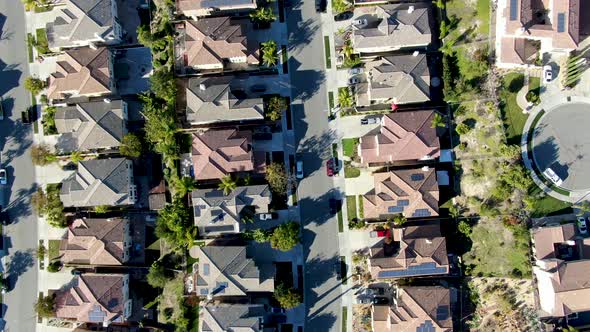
533, 97
158, 276
45, 306
462, 129
464, 228
54, 266
357, 224
286, 236
131, 146
277, 178
41, 156
34, 85
287, 297
275, 107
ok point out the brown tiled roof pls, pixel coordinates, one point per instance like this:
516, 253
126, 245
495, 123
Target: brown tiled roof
412, 192
94, 242
545, 239
410, 247
416, 309
93, 296
82, 71
564, 288
217, 153
211, 41
403, 136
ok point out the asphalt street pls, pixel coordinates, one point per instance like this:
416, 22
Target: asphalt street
314, 139
20, 237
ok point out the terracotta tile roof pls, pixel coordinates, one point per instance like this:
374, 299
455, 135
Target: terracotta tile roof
559, 31
213, 41
426, 308
545, 239
403, 136
413, 251
81, 72
94, 298
564, 287
412, 192
95, 242
217, 153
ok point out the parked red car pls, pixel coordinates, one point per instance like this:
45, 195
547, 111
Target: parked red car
330, 167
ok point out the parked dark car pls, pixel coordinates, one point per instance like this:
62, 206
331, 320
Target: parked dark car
343, 16
321, 5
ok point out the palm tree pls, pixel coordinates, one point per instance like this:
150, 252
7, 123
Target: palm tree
345, 97
76, 157
348, 49
269, 53
185, 186
263, 15
399, 219
438, 121
228, 184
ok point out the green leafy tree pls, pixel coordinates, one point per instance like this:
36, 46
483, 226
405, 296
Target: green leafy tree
399, 219
277, 178
76, 157
131, 146
462, 129
269, 53
184, 186
260, 235
158, 276
275, 107
516, 176
345, 97
160, 126
511, 152
41, 156
45, 306
49, 205
464, 228
263, 15
34, 85
227, 184
101, 209
286, 236
163, 85
340, 6
439, 4
54, 267
39, 201
438, 121
41, 251
287, 297
174, 225
455, 211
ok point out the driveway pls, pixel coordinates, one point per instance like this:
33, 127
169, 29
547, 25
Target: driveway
351, 127
323, 295
15, 141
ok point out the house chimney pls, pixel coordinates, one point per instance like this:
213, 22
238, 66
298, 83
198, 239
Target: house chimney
425, 168
202, 87
416, 53
410, 9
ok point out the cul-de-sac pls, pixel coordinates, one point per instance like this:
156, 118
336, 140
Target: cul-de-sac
294, 165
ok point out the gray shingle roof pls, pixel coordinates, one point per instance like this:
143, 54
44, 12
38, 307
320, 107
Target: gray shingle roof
227, 317
90, 126
213, 100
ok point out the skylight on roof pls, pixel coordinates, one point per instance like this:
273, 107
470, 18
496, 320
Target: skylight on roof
561, 22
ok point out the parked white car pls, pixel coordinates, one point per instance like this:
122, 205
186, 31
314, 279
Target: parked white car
582, 225
362, 21
547, 74
355, 71
553, 177
265, 216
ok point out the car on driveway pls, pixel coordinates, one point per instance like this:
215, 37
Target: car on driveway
552, 176
360, 22
355, 71
370, 120
330, 167
3, 176
343, 16
582, 225
265, 216
547, 74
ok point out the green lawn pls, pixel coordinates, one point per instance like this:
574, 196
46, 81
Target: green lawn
349, 146
483, 15
30, 44
548, 205
53, 250
361, 207
534, 84
344, 318
340, 221
512, 115
189, 263
351, 171
351, 207
331, 99
327, 52
42, 45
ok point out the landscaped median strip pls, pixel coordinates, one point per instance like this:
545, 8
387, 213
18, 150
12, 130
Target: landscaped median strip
344, 318
327, 49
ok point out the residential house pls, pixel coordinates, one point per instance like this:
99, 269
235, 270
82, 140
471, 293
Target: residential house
424, 308
95, 298
91, 127
84, 23
562, 262
217, 43
213, 100
220, 152
200, 8
395, 79
391, 27
232, 317
413, 251
96, 242
404, 136
100, 182
411, 192
229, 271
216, 213
529, 28
82, 72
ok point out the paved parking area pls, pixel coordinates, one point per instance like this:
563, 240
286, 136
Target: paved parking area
350, 126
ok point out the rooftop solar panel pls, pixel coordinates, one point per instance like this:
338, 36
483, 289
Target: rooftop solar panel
417, 270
